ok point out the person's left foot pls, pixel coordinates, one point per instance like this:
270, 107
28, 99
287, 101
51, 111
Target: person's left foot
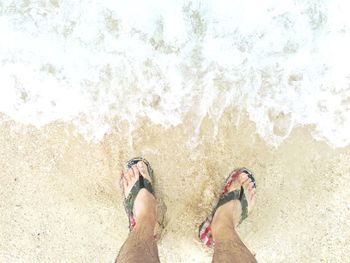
145, 203
229, 214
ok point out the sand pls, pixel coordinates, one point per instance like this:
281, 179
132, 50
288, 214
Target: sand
60, 199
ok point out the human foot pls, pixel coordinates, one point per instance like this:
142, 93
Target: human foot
236, 200
142, 203
229, 214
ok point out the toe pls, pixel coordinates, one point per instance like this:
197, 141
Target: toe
142, 167
253, 191
246, 184
135, 172
127, 175
143, 170
251, 185
242, 178
124, 183
121, 177
250, 192
253, 200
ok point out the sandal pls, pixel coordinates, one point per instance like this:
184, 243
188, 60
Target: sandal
141, 183
205, 234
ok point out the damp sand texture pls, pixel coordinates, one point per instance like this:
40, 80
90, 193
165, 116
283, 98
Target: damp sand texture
60, 199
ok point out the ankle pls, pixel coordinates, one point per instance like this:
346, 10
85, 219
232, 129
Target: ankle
221, 228
224, 231
145, 222
223, 217
225, 220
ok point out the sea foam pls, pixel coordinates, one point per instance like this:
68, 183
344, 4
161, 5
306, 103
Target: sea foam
284, 62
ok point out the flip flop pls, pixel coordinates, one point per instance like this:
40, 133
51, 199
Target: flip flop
205, 234
139, 184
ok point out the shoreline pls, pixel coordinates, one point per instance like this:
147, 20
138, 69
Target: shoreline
60, 196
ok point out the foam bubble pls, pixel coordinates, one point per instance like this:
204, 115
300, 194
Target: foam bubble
285, 62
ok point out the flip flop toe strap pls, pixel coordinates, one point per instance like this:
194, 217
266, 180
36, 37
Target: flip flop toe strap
243, 199
130, 200
205, 234
244, 204
236, 195
144, 183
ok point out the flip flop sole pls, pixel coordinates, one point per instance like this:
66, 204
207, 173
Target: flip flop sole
141, 183
205, 233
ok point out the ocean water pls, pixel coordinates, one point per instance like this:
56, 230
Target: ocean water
285, 63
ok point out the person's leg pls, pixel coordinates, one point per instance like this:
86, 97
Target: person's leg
140, 245
228, 245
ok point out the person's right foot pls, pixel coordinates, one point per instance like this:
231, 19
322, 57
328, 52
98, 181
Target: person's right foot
145, 203
228, 215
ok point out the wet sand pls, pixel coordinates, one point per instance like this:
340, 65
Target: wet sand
60, 200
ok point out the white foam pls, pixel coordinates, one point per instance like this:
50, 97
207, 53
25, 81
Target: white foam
285, 62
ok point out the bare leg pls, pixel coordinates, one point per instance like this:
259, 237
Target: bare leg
140, 245
228, 245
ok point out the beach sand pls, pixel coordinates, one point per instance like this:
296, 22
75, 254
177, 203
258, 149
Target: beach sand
60, 199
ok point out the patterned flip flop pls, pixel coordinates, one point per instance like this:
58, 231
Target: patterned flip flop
205, 234
141, 183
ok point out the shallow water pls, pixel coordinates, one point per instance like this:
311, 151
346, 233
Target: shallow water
92, 62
